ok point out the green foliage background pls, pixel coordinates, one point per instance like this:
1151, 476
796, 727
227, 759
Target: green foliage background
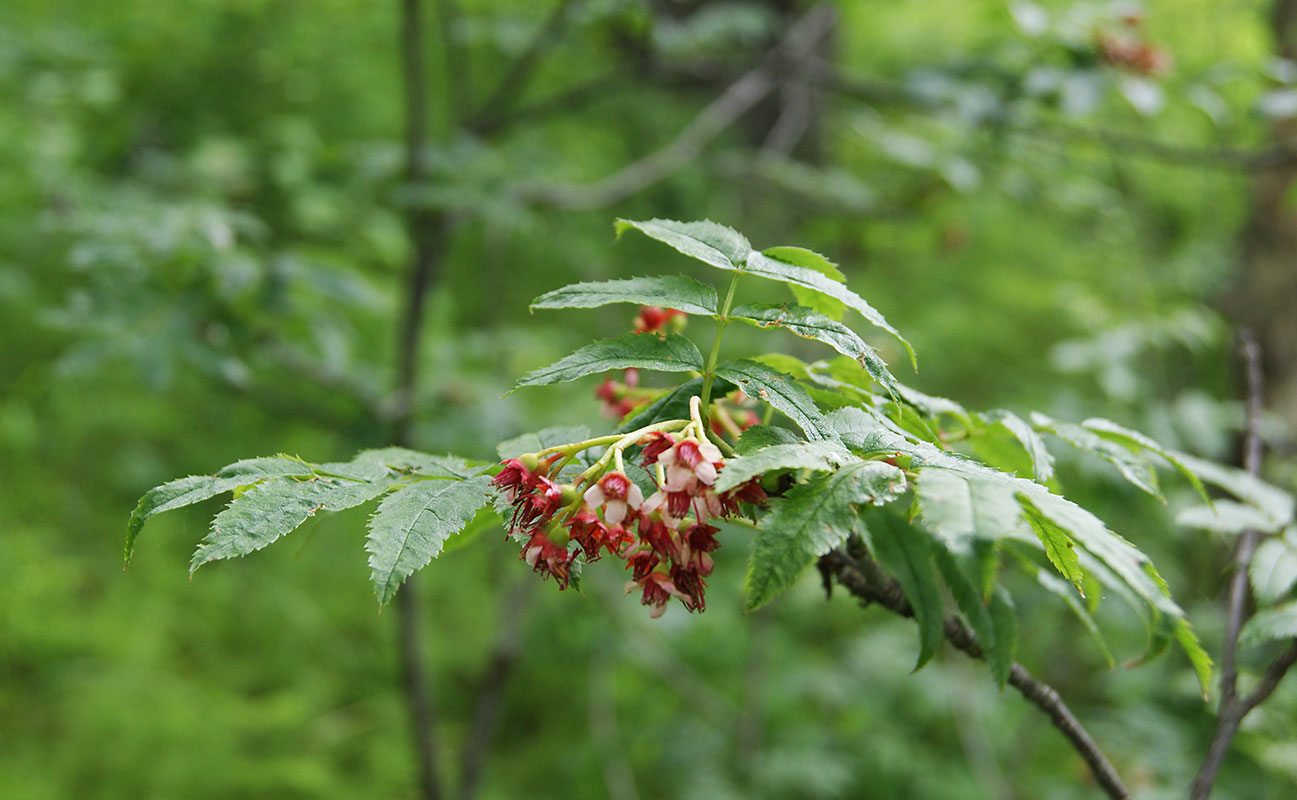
202, 252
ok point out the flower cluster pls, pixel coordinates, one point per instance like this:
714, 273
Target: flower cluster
666, 538
654, 319
1129, 49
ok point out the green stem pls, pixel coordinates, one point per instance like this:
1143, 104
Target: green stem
709, 374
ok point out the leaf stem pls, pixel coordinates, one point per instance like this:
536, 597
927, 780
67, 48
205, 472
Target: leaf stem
709, 374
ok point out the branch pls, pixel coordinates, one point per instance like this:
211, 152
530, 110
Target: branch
873, 92
424, 229
519, 74
866, 580
718, 115
1232, 709
504, 657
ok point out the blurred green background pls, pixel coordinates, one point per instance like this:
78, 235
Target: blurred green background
203, 255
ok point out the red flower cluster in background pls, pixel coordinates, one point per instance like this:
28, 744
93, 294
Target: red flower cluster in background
1129, 49
665, 539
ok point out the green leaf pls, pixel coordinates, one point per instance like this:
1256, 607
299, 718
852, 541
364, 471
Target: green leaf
1064, 592
535, 442
779, 391
669, 291
1059, 547
978, 614
1132, 466
960, 509
675, 353
423, 464
808, 297
1005, 623
197, 488
762, 436
1274, 567
906, 553
771, 267
1274, 502
1042, 463
1271, 624
411, 525
810, 324
717, 245
1227, 516
1198, 657
812, 519
1136, 440
1119, 555
931, 406
272, 509
820, 456
673, 405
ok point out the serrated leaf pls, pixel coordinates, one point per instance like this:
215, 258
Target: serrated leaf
1227, 516
669, 291
707, 241
820, 456
810, 324
969, 600
411, 526
761, 436
1132, 466
1064, 592
274, 508
424, 464
1134, 439
1059, 547
808, 297
906, 553
197, 488
1119, 555
959, 509
812, 519
1273, 570
866, 432
932, 406
1005, 622
772, 267
779, 391
540, 440
673, 405
1274, 502
674, 353
1198, 657
1271, 624
1042, 462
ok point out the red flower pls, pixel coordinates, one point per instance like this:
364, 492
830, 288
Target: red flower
516, 478
658, 591
616, 495
655, 444
689, 582
547, 556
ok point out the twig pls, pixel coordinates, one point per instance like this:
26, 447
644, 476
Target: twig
1232, 708
864, 579
733, 103
1281, 154
504, 657
424, 229
520, 72
618, 777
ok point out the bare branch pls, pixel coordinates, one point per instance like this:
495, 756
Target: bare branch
1232, 710
864, 579
733, 103
874, 92
521, 71
504, 657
